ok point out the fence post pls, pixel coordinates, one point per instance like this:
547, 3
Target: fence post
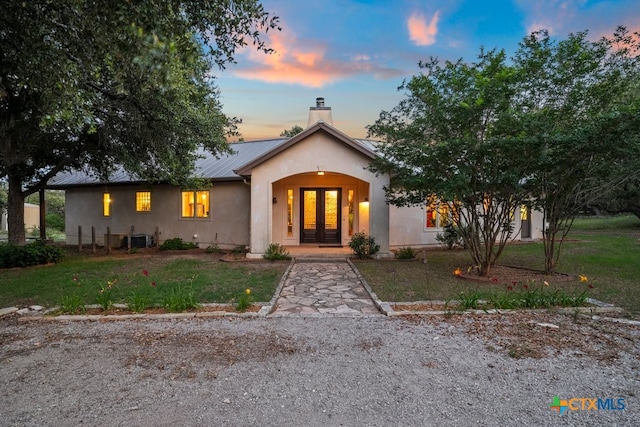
79, 238
93, 239
157, 237
108, 240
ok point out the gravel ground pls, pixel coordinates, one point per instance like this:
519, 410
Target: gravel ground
488, 370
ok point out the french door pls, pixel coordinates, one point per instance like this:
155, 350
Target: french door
321, 215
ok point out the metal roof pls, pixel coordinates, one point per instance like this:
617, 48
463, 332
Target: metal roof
217, 168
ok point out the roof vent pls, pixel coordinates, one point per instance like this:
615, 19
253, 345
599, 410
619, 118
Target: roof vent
319, 102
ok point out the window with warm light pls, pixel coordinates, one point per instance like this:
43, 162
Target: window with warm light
350, 196
289, 212
195, 204
106, 204
143, 201
438, 215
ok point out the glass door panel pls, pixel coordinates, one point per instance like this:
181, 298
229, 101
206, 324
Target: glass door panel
321, 215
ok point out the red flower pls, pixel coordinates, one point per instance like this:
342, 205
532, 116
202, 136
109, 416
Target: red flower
509, 288
513, 282
494, 280
590, 286
145, 272
153, 284
525, 286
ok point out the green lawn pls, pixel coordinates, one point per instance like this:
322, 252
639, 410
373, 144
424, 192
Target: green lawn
605, 250
153, 274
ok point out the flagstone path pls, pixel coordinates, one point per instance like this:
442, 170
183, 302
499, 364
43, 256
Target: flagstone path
323, 288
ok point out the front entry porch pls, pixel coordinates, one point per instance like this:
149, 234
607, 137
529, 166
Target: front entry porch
318, 210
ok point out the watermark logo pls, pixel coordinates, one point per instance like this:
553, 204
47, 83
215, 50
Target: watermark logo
559, 405
587, 404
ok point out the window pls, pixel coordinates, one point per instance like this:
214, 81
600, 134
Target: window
195, 204
106, 204
438, 215
143, 201
351, 212
289, 212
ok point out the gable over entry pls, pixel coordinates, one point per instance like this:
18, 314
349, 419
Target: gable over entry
315, 189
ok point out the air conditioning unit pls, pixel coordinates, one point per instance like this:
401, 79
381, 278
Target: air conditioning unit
139, 241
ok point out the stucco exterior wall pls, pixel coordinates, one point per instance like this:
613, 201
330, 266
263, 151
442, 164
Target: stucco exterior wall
408, 227
228, 220
343, 166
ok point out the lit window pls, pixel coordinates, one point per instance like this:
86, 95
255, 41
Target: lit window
289, 212
106, 204
195, 204
143, 201
438, 215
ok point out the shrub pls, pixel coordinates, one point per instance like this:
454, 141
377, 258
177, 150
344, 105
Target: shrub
28, 255
406, 253
176, 244
450, 238
55, 221
363, 246
276, 252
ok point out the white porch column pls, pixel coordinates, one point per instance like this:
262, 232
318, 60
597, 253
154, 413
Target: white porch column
379, 218
261, 195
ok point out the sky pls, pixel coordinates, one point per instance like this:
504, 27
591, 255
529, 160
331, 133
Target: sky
356, 53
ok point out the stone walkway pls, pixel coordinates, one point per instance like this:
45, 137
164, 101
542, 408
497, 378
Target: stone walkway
323, 288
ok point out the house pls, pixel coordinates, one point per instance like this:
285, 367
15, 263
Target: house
311, 189
31, 217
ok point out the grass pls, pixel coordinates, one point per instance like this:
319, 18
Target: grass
140, 279
605, 250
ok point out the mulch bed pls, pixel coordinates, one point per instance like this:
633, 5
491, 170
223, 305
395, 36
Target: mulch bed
507, 275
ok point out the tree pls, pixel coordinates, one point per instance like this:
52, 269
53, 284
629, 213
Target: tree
451, 139
290, 133
113, 84
557, 129
576, 107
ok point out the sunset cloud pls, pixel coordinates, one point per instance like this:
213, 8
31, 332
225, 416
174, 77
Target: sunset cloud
550, 15
421, 32
305, 65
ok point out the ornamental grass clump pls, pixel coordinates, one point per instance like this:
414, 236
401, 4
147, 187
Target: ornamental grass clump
244, 300
105, 295
276, 252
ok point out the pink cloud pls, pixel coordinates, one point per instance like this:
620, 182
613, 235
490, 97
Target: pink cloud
305, 65
421, 32
551, 15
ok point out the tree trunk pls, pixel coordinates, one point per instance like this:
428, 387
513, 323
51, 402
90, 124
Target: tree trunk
15, 211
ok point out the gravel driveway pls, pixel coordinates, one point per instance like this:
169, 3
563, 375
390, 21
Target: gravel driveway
375, 371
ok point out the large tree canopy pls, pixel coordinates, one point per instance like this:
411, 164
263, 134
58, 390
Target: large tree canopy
100, 84
577, 107
450, 139
555, 127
